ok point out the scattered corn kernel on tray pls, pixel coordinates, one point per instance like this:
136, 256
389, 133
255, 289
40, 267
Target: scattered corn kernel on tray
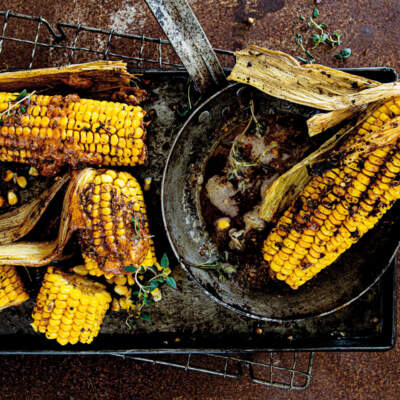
186, 319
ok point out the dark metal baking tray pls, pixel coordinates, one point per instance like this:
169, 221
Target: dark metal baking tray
188, 321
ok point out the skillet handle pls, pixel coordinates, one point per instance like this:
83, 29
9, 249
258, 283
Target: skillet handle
187, 37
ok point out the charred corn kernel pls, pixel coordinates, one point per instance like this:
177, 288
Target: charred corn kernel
12, 198
9, 175
22, 182
223, 223
113, 205
72, 125
81, 270
77, 312
355, 196
12, 291
33, 171
121, 290
147, 183
156, 294
120, 280
115, 306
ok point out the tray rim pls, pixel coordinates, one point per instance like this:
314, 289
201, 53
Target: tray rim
389, 297
385, 343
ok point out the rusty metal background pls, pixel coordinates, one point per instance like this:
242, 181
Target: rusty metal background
187, 320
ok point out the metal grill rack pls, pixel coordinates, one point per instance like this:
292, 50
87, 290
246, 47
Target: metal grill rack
281, 370
139, 51
42, 44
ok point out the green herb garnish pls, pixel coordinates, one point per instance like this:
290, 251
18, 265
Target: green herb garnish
344, 54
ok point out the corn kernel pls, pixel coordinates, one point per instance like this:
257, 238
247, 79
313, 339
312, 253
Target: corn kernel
9, 175
12, 198
22, 182
156, 293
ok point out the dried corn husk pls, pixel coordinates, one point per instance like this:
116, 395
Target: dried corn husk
321, 122
101, 78
282, 76
19, 222
31, 254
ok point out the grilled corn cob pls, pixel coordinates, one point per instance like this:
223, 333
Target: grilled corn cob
122, 283
50, 131
70, 308
334, 210
12, 291
116, 233
91, 267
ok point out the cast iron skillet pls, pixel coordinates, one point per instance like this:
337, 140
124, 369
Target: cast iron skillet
345, 281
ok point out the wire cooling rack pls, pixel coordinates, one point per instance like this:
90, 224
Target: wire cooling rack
79, 43
40, 44
291, 370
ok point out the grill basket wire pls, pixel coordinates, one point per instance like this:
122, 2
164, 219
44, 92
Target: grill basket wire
290, 370
40, 44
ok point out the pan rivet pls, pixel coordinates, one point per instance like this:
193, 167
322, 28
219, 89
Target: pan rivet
204, 116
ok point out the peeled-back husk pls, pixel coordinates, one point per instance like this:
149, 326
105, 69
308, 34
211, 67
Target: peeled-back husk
37, 254
17, 223
98, 77
280, 75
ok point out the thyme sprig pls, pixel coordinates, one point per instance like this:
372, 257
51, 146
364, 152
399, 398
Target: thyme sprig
14, 103
220, 265
236, 160
321, 37
149, 291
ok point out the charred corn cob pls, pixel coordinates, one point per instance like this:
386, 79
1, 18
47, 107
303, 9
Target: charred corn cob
12, 291
116, 233
334, 210
70, 308
50, 131
91, 267
122, 284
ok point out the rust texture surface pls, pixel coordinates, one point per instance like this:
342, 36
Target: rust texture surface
370, 29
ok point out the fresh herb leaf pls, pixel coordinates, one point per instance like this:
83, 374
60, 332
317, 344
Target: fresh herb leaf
131, 268
21, 95
164, 261
153, 285
302, 17
315, 38
145, 316
310, 56
344, 54
324, 37
315, 13
298, 39
171, 282
23, 109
